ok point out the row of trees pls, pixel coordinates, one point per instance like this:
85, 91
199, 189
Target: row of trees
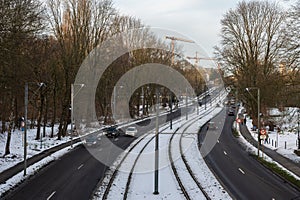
260, 49
43, 45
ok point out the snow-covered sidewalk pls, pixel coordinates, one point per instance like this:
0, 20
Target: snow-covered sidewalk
286, 140
288, 154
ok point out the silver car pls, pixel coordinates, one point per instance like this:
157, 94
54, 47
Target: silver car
131, 131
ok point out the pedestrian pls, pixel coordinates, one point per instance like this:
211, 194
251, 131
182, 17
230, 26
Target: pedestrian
266, 140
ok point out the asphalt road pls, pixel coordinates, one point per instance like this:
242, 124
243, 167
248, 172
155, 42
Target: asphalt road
241, 175
76, 174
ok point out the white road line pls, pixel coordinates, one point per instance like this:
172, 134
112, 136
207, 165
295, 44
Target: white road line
225, 152
51, 195
80, 166
116, 139
241, 171
100, 149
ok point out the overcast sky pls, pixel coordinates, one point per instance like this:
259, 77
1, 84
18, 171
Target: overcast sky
197, 19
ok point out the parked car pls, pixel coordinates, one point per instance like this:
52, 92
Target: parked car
231, 112
111, 131
131, 131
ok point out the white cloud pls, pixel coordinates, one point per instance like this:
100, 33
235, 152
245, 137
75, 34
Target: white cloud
198, 19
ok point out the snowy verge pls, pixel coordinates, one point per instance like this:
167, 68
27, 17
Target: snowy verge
32, 170
253, 150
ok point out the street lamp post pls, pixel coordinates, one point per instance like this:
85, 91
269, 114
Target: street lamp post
171, 106
25, 123
156, 164
115, 96
186, 104
298, 129
25, 128
72, 109
258, 116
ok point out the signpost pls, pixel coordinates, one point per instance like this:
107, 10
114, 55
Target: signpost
263, 134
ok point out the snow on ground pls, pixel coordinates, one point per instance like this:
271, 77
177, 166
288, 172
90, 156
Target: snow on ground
285, 136
34, 146
17, 146
251, 149
31, 170
286, 140
209, 182
142, 183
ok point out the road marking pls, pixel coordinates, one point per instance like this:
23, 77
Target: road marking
116, 139
80, 166
241, 171
100, 149
51, 195
225, 152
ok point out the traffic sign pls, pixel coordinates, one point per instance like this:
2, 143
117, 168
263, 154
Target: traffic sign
263, 137
263, 132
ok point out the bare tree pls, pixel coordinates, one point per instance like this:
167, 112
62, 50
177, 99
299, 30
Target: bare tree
21, 20
79, 26
292, 55
293, 37
252, 40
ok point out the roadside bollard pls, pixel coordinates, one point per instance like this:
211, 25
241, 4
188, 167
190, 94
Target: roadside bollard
285, 145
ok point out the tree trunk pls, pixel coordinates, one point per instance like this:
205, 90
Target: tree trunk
10, 127
45, 117
54, 108
40, 114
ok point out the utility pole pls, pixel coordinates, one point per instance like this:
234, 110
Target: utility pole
72, 112
25, 128
186, 104
25, 123
156, 164
171, 118
258, 120
298, 129
72, 109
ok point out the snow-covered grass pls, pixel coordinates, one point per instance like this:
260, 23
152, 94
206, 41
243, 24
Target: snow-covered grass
282, 138
34, 147
31, 170
283, 143
142, 182
17, 146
